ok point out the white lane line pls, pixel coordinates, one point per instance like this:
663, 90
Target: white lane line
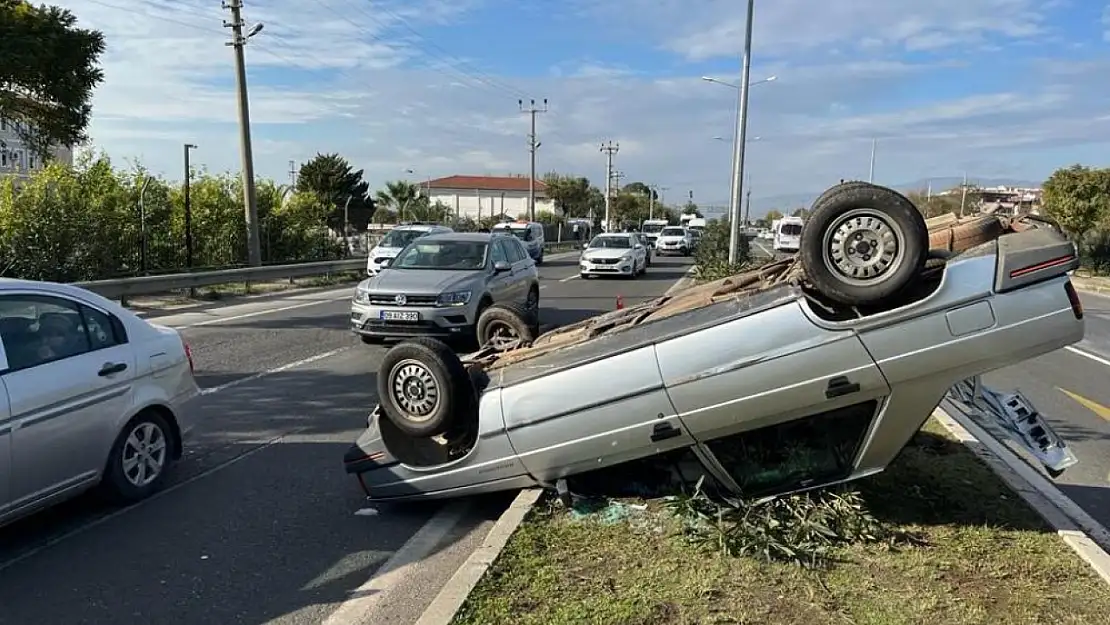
574, 277
156, 496
285, 367
1085, 354
359, 608
267, 311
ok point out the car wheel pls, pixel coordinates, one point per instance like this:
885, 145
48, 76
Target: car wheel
140, 458
837, 188
532, 304
864, 244
506, 326
539, 261
422, 386
584, 276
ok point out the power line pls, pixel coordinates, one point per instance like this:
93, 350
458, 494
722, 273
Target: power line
533, 145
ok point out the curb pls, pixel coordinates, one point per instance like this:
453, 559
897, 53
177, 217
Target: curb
442, 609
1079, 531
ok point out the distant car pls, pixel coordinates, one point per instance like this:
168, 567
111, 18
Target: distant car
530, 233
440, 284
776, 386
674, 240
648, 249
396, 240
614, 254
90, 394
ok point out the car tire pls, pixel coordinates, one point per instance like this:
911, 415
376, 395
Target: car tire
584, 276
147, 433
506, 326
423, 387
870, 215
837, 188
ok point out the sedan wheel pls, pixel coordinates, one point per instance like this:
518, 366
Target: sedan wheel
140, 458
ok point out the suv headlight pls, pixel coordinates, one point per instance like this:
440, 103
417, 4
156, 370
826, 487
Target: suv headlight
458, 298
362, 296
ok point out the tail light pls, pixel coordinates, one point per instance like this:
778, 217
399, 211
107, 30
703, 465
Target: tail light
188, 355
1073, 298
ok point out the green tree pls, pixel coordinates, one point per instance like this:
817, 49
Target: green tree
573, 196
801, 211
335, 182
1078, 198
641, 188
400, 197
49, 71
691, 209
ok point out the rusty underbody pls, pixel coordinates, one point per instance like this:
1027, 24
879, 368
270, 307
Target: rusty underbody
949, 233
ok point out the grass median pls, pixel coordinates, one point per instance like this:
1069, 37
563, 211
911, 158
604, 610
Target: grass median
948, 544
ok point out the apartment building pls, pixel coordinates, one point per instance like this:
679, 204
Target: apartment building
18, 160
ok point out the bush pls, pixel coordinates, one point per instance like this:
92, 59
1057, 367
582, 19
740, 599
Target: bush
711, 255
86, 222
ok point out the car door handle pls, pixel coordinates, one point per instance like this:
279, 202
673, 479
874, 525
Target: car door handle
663, 431
112, 367
840, 386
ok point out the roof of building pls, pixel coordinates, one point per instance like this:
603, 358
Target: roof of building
484, 183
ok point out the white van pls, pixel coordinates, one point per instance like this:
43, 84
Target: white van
530, 234
396, 240
787, 234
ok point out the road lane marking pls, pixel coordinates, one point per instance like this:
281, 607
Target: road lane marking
568, 279
359, 608
267, 311
80, 529
1089, 404
1085, 354
285, 367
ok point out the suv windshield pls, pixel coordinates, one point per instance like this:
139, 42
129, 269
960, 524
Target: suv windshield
652, 228
401, 238
790, 230
617, 242
672, 232
446, 255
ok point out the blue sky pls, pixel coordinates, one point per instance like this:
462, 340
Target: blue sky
996, 88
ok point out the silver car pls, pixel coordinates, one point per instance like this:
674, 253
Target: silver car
774, 388
614, 254
89, 394
439, 284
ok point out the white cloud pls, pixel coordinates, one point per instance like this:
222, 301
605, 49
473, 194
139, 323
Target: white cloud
352, 77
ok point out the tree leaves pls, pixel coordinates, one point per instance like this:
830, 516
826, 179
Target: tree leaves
1078, 198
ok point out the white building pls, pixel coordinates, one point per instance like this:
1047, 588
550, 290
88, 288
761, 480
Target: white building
18, 160
485, 196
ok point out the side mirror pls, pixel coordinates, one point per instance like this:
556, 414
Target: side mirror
501, 266
385, 262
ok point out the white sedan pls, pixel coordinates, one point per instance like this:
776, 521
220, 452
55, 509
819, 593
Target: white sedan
90, 395
613, 254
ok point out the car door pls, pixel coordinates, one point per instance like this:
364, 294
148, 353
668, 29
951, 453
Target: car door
5, 439
500, 283
69, 383
523, 268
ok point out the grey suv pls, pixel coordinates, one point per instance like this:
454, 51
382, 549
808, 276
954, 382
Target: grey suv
439, 284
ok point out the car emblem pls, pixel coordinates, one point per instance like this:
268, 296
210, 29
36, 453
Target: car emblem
400, 300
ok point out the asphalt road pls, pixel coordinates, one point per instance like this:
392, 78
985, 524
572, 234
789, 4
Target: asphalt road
1071, 387
259, 523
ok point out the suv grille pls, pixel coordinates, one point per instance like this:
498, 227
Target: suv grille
410, 300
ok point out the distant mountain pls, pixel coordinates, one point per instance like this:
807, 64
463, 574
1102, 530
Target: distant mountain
791, 201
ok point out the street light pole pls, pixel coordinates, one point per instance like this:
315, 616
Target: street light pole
188, 211
738, 147
250, 206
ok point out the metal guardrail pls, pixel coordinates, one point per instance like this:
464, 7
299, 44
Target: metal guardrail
121, 288
118, 288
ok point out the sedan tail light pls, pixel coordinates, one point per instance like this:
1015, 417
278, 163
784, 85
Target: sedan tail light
188, 355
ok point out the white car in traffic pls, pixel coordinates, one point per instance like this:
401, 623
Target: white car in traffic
614, 254
674, 240
90, 394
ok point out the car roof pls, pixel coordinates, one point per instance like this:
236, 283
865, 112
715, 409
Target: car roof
424, 227
476, 237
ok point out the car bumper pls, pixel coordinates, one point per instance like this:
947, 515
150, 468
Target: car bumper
670, 249
621, 268
373, 320
186, 410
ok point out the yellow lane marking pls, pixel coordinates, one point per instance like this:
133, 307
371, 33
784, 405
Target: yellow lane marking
1089, 404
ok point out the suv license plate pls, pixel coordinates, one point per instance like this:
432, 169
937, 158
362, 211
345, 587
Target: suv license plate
400, 315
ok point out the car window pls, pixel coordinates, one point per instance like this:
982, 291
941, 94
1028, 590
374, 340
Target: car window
513, 250
673, 232
103, 331
442, 254
39, 329
497, 253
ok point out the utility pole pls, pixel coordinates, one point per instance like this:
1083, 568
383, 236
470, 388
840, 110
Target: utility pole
250, 207
871, 175
292, 173
963, 195
188, 211
609, 149
748, 201
533, 145
740, 141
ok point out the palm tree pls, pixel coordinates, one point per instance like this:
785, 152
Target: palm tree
397, 196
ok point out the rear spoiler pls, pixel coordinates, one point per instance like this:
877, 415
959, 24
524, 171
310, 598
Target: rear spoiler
1032, 256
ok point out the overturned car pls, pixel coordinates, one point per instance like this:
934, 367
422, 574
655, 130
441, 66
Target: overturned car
846, 349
